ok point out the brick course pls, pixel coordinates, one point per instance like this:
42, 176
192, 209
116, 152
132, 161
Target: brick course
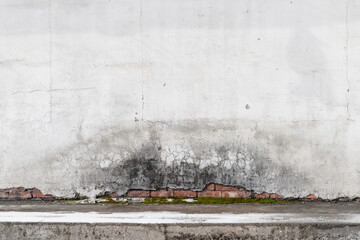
22, 193
213, 194
161, 193
211, 190
210, 187
276, 196
311, 196
219, 187
239, 194
185, 193
262, 195
138, 193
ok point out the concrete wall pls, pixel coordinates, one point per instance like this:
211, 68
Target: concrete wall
100, 95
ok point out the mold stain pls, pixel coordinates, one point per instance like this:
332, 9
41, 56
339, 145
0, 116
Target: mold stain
175, 156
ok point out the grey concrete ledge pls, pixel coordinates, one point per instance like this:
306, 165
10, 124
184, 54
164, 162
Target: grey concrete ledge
233, 221
182, 231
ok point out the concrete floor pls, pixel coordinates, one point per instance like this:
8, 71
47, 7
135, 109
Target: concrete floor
54, 220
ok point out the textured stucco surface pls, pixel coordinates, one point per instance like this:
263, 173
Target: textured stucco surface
108, 95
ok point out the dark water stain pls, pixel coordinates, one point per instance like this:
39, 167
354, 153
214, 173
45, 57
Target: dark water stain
145, 169
172, 155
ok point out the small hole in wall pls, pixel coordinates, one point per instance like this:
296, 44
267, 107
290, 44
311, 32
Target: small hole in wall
136, 119
247, 106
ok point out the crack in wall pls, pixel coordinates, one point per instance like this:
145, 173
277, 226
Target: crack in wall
52, 90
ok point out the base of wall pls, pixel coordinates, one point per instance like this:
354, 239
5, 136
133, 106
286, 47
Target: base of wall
211, 190
182, 231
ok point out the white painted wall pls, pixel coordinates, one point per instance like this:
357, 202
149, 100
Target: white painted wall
76, 74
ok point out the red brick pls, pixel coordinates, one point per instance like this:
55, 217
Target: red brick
311, 196
247, 194
240, 194
262, 195
36, 193
48, 196
225, 188
112, 195
210, 187
161, 193
184, 193
276, 196
138, 193
19, 195
209, 194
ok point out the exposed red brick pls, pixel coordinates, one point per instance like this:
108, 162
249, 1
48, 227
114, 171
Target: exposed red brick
19, 195
36, 193
219, 187
161, 193
247, 194
210, 187
239, 194
184, 193
47, 196
22, 193
262, 195
138, 193
276, 196
112, 195
311, 196
209, 194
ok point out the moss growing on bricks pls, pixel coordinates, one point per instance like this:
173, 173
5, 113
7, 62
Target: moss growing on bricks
210, 200
65, 201
165, 200
110, 200
180, 200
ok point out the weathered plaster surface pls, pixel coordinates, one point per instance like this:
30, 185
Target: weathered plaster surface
109, 95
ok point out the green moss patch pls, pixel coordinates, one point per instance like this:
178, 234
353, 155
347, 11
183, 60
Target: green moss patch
183, 200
